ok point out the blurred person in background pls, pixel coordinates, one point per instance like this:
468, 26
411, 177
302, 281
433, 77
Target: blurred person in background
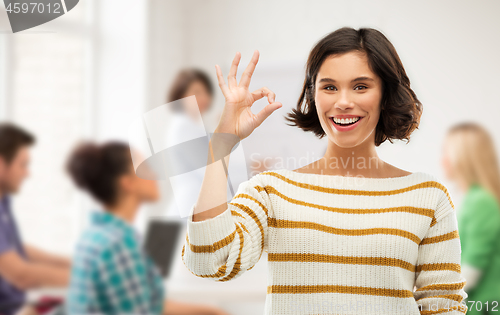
22, 266
111, 272
186, 126
469, 159
191, 81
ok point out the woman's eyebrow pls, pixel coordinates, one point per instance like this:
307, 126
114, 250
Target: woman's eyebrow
354, 80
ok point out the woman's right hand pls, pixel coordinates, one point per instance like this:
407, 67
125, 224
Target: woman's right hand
237, 117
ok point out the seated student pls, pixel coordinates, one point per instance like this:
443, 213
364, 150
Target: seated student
111, 273
22, 266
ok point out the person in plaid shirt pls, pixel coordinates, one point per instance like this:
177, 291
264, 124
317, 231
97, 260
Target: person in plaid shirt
111, 274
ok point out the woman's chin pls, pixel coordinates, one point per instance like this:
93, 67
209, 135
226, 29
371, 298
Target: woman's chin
345, 142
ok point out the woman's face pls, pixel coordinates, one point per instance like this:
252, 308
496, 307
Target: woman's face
346, 87
203, 97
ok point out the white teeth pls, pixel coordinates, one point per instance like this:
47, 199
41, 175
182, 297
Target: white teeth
345, 121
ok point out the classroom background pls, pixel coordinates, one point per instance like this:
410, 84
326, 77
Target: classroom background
90, 73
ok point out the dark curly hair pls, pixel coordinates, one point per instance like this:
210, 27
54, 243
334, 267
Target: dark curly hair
400, 107
96, 168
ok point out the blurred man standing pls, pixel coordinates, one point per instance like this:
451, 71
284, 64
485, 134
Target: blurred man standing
22, 267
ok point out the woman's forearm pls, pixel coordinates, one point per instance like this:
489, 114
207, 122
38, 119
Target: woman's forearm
236, 123
212, 199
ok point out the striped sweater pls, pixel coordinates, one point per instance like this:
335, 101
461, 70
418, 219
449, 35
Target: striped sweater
337, 244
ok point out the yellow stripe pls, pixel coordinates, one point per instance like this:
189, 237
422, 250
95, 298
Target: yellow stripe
286, 224
211, 248
242, 195
440, 238
220, 272
252, 214
413, 210
237, 214
443, 286
373, 261
237, 264
438, 267
426, 184
244, 228
433, 222
310, 289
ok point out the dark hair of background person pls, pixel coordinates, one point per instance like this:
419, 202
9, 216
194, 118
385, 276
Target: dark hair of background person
96, 168
400, 107
182, 82
12, 138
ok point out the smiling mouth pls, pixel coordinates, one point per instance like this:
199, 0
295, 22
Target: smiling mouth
345, 122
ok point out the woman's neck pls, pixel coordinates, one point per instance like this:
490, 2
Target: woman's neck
126, 209
360, 160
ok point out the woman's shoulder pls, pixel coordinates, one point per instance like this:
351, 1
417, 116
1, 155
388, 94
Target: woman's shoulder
432, 181
273, 177
264, 182
441, 193
430, 177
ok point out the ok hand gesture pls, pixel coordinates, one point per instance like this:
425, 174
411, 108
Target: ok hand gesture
237, 118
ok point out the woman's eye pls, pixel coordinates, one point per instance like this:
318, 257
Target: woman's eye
361, 86
330, 88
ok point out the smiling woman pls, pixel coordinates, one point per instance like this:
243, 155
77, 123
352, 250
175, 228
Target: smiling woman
385, 241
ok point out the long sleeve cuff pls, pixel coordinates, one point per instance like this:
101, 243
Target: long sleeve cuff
212, 230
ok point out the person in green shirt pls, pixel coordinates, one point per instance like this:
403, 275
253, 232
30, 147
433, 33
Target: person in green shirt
469, 160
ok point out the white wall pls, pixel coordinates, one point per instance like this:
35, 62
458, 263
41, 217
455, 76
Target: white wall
121, 57
82, 75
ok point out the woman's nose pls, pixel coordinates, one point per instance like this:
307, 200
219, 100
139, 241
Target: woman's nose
343, 101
